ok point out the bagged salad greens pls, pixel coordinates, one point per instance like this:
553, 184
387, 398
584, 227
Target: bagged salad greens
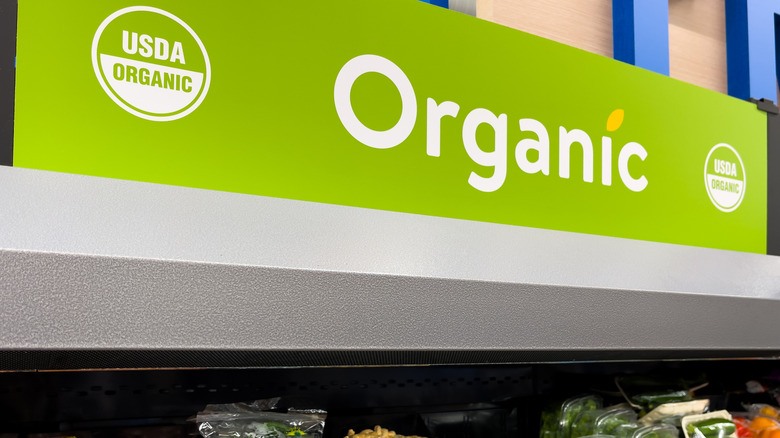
557, 419
550, 422
571, 410
585, 423
604, 422
613, 420
257, 420
626, 430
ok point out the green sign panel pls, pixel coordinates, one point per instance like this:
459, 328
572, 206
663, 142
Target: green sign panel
392, 105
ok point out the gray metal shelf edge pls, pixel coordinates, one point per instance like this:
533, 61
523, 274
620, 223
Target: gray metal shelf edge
98, 264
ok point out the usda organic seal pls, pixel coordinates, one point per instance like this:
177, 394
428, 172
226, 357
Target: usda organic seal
151, 63
724, 174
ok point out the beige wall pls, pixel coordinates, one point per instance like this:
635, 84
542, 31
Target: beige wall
697, 31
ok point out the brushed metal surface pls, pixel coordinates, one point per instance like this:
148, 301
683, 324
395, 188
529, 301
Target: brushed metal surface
94, 263
62, 213
76, 302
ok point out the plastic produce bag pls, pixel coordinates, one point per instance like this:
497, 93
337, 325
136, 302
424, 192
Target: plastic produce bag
585, 423
557, 419
572, 408
611, 421
550, 422
759, 426
672, 413
602, 422
716, 424
626, 430
764, 410
657, 431
651, 400
743, 426
256, 420
647, 393
377, 432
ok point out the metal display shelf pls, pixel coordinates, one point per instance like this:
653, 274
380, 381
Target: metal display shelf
102, 273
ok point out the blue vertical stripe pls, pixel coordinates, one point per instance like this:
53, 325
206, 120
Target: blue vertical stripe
640, 33
752, 41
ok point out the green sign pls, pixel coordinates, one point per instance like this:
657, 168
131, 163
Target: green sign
392, 105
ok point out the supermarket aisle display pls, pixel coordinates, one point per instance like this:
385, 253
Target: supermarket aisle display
433, 402
641, 407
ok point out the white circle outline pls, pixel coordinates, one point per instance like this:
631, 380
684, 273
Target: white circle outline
353, 69
108, 90
744, 179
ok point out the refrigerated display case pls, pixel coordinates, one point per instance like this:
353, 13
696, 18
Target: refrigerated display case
131, 305
107, 324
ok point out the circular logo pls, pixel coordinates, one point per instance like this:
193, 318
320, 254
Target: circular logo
724, 175
151, 63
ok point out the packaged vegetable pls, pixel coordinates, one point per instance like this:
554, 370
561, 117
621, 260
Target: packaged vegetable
256, 420
572, 408
651, 400
743, 427
716, 424
610, 421
550, 422
759, 423
672, 413
759, 426
377, 432
603, 422
585, 423
769, 433
657, 431
764, 410
712, 428
626, 430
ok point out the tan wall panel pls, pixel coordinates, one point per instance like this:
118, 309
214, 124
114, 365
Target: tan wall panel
697, 59
697, 43
697, 31
586, 24
706, 17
